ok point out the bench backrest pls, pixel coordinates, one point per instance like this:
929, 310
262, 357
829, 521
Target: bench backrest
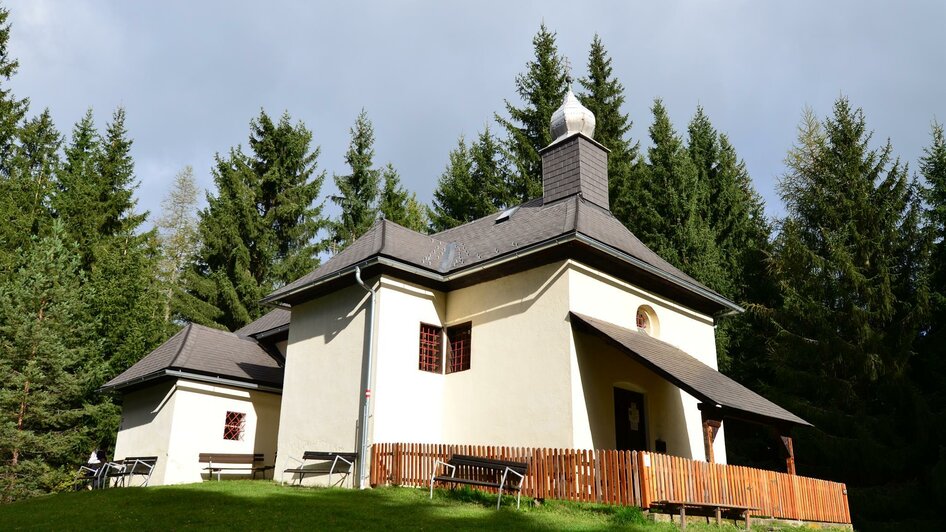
139, 465
488, 463
230, 458
328, 455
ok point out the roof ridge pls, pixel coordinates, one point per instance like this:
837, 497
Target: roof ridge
180, 348
381, 237
574, 225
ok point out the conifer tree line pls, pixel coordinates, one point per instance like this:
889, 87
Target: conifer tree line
845, 294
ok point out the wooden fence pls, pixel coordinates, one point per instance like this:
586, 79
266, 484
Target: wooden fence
628, 478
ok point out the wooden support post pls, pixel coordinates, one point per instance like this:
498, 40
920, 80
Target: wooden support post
789, 449
710, 429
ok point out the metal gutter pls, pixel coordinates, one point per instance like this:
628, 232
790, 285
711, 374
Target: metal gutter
194, 376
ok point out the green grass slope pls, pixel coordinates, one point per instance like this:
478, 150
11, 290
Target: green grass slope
258, 505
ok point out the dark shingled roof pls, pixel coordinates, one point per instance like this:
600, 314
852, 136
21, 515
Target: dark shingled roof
274, 319
689, 374
485, 239
208, 352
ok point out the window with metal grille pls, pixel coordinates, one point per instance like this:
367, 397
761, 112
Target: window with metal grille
233, 426
431, 348
458, 348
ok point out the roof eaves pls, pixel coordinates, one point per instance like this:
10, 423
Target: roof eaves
268, 332
181, 373
157, 374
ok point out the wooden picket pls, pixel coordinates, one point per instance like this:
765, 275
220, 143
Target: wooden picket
628, 478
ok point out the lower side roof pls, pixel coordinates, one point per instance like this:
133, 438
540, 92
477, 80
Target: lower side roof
686, 372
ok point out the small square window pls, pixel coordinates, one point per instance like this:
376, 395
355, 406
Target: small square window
233, 426
431, 349
458, 355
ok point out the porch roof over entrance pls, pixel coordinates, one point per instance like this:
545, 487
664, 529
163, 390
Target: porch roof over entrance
686, 372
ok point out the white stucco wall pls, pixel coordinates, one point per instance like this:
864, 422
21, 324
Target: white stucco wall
604, 297
176, 422
517, 390
145, 430
323, 376
407, 403
532, 381
199, 418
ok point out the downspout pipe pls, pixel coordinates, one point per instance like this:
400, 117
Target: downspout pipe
366, 398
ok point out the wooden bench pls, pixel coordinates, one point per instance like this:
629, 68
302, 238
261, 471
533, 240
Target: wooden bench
126, 469
707, 509
473, 469
323, 456
236, 462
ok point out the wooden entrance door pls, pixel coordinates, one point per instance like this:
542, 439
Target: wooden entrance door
630, 425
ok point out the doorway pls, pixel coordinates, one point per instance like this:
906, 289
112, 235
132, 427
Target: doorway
630, 424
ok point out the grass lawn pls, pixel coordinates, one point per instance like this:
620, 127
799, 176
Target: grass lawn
254, 505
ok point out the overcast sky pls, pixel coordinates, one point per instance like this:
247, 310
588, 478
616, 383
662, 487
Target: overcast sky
192, 74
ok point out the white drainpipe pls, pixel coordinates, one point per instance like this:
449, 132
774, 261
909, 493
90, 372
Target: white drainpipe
363, 455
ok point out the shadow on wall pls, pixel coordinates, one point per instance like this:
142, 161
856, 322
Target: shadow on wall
603, 368
142, 406
335, 313
514, 294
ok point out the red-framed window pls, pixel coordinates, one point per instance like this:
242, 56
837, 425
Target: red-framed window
233, 426
458, 348
430, 357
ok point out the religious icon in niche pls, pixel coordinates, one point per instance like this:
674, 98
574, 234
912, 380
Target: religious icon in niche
634, 416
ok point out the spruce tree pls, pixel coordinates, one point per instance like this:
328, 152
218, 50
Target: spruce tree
451, 202
667, 202
42, 359
603, 95
257, 232
730, 208
116, 172
399, 205
933, 170
76, 198
12, 110
473, 184
930, 370
27, 189
851, 297
285, 163
541, 89
358, 191
703, 147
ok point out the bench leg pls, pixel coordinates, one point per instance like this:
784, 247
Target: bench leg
683, 517
748, 520
719, 516
502, 483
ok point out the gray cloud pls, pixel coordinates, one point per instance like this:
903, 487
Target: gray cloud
191, 75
